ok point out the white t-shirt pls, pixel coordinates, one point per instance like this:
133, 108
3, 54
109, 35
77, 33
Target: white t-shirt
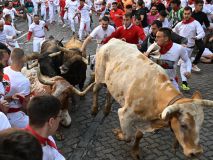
85, 15
50, 153
11, 12
10, 32
71, 7
17, 83
191, 31
99, 34
4, 122
37, 29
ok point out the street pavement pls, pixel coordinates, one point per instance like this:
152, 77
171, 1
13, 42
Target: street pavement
91, 138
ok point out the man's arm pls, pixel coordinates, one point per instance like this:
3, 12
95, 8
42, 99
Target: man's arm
144, 45
85, 43
199, 30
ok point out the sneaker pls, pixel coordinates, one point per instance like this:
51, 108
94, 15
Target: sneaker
195, 68
64, 26
185, 87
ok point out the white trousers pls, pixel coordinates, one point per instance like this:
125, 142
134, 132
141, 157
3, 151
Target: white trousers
35, 8
18, 119
37, 42
84, 25
29, 19
51, 12
71, 22
175, 84
183, 66
43, 11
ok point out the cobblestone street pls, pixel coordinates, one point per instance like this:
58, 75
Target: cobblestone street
91, 138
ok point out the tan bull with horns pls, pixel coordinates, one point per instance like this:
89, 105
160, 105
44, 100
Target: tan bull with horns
147, 97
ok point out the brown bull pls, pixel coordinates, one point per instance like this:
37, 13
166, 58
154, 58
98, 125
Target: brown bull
147, 97
56, 86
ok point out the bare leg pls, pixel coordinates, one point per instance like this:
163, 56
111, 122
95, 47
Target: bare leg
135, 148
96, 89
108, 103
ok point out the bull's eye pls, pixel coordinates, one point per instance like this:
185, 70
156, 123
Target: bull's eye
183, 126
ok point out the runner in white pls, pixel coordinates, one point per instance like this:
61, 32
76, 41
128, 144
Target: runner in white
11, 33
37, 29
84, 11
17, 90
71, 8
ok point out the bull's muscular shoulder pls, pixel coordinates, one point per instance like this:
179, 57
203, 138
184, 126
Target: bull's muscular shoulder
131, 78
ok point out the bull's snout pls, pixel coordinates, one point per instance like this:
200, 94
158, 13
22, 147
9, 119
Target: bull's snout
194, 152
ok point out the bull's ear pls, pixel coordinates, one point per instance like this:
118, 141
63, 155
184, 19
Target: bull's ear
196, 95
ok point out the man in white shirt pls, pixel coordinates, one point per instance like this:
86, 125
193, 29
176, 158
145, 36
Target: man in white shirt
84, 11
191, 29
17, 90
11, 33
71, 8
10, 10
44, 114
170, 54
37, 29
99, 33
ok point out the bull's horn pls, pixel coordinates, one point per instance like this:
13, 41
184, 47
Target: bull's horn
44, 79
85, 60
76, 91
206, 103
70, 51
153, 47
171, 109
32, 65
54, 54
63, 49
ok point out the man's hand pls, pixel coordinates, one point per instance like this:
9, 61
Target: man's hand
187, 75
18, 96
4, 106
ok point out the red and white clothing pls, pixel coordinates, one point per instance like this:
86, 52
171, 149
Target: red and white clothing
50, 151
35, 5
17, 83
43, 9
51, 10
11, 32
99, 34
72, 6
132, 34
191, 30
174, 52
85, 19
12, 12
38, 34
5, 124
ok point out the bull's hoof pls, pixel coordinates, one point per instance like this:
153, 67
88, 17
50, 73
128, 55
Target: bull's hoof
106, 113
135, 154
94, 111
119, 134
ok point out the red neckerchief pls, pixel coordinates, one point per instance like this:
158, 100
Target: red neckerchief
80, 7
165, 48
41, 139
188, 21
7, 23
